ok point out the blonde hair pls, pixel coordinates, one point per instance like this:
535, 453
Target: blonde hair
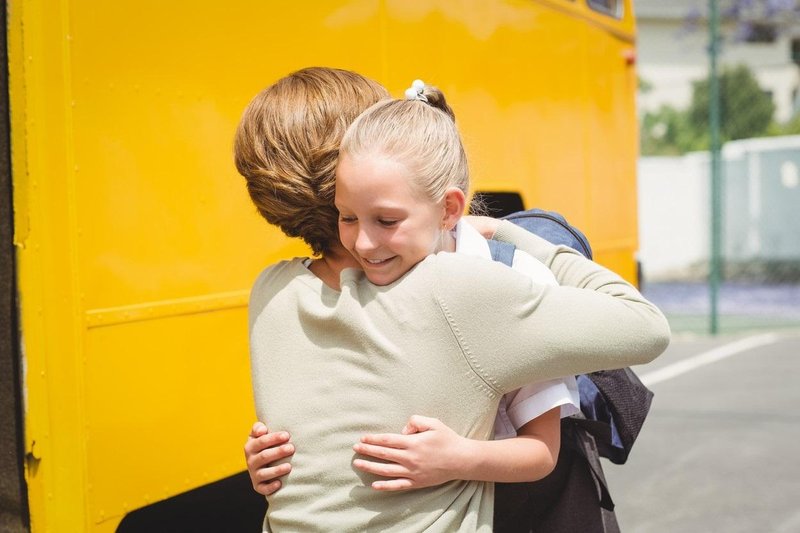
421, 135
287, 145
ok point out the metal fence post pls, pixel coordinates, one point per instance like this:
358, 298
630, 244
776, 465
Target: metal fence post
716, 167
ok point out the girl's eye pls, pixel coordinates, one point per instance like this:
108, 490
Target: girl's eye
347, 220
387, 223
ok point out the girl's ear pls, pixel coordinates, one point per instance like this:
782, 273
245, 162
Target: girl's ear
454, 203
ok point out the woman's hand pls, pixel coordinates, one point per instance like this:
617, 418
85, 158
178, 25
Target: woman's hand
261, 450
486, 226
427, 453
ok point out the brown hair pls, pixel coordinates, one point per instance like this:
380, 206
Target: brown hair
420, 134
287, 144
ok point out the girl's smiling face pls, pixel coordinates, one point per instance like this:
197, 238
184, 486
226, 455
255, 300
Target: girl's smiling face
384, 222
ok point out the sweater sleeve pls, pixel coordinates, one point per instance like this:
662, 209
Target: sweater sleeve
513, 330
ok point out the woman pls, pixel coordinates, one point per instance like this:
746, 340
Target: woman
334, 351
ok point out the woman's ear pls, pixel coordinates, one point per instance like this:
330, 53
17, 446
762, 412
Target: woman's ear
454, 203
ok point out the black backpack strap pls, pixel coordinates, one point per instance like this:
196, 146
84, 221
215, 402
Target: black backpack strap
585, 444
502, 252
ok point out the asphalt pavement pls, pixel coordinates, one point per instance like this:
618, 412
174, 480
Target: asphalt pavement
719, 450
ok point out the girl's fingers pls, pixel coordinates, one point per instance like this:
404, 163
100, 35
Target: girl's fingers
272, 439
265, 489
254, 445
259, 428
268, 474
269, 455
381, 469
393, 484
389, 440
379, 452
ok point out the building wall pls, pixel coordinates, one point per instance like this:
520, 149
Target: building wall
761, 199
671, 55
673, 215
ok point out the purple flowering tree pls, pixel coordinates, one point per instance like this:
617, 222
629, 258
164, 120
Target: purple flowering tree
748, 20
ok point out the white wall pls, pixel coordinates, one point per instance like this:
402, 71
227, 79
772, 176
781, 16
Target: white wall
760, 203
673, 214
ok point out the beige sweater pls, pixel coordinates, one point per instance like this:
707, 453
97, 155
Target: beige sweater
446, 340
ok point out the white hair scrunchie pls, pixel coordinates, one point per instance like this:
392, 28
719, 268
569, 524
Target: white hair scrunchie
415, 91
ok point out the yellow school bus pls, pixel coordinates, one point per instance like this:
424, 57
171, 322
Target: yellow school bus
129, 242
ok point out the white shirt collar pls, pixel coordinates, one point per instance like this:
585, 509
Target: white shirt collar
470, 242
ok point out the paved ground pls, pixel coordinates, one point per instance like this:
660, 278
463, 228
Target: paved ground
740, 306
719, 451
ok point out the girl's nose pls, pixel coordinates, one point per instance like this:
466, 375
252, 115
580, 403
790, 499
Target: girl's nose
364, 242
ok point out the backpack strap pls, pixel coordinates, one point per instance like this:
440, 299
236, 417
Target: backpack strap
614, 403
552, 227
502, 252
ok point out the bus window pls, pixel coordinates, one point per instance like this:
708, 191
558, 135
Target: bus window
609, 7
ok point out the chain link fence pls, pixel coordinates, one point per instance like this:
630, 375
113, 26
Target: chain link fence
760, 224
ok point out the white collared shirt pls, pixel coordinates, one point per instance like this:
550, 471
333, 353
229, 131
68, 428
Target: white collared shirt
523, 405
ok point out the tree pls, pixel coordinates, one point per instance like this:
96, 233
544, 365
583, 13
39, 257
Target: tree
745, 109
791, 127
666, 132
749, 20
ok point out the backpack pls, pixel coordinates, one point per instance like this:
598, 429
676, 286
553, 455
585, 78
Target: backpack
614, 403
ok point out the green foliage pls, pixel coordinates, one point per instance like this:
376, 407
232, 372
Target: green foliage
667, 132
745, 111
791, 127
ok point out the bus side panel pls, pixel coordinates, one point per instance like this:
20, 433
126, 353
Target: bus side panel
511, 71
544, 99
612, 149
169, 405
169, 241
157, 92
142, 244
137, 241
50, 320
13, 508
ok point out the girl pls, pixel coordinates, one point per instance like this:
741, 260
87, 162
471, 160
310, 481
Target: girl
401, 185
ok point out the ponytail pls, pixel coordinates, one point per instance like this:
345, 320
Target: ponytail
419, 132
430, 95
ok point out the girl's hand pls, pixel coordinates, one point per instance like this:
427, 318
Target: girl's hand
427, 453
486, 226
261, 450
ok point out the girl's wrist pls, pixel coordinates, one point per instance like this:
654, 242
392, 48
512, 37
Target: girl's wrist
471, 460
